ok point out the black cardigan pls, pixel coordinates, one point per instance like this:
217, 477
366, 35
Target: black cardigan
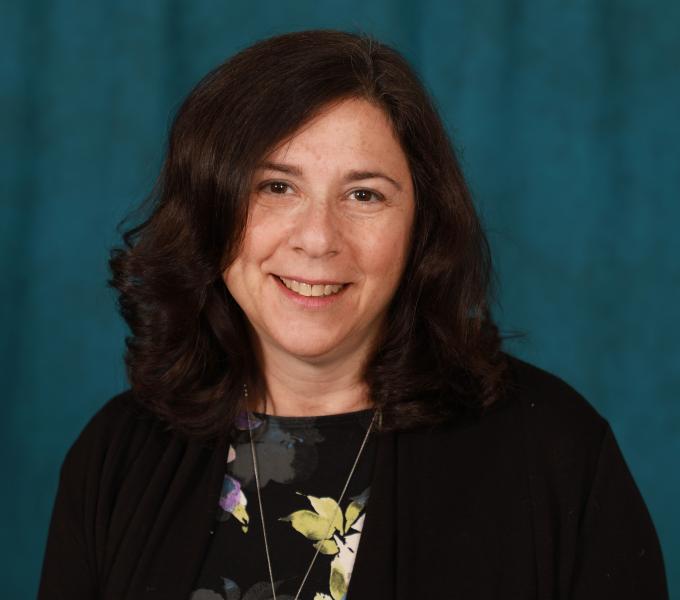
534, 501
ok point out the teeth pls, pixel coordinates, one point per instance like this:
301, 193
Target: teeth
305, 289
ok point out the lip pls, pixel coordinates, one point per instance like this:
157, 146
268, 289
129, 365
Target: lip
310, 281
309, 302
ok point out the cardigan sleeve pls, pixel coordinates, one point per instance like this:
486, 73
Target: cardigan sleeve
67, 570
71, 566
133, 510
617, 550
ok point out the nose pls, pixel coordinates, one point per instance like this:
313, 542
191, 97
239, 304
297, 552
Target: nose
316, 229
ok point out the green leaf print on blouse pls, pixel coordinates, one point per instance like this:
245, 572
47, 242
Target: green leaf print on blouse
333, 533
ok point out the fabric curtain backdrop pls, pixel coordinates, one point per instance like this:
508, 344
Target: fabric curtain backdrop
565, 114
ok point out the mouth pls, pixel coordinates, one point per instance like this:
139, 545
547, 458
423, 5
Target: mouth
314, 289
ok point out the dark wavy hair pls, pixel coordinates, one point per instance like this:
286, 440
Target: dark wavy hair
190, 351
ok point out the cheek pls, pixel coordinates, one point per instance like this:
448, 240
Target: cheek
243, 277
384, 254
264, 234
233, 278
258, 242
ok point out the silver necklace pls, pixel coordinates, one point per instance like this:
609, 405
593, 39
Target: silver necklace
259, 498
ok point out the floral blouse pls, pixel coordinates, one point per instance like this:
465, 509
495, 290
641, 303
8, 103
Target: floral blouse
303, 464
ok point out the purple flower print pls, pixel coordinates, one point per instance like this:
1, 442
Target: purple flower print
231, 494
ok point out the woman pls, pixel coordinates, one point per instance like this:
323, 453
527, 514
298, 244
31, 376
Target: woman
319, 405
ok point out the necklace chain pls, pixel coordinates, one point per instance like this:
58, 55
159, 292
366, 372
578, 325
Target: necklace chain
259, 498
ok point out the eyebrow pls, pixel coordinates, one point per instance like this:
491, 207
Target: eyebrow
353, 175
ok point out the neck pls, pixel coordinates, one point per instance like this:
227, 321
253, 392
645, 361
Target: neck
299, 387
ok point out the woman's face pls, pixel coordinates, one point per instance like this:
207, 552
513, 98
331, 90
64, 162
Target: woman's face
327, 237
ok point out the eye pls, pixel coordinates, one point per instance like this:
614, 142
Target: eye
367, 196
275, 187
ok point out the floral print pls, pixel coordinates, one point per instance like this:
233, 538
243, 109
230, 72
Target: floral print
284, 454
289, 453
232, 499
334, 534
231, 591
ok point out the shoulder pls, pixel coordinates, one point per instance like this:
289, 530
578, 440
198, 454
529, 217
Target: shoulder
541, 423
549, 400
121, 412
542, 440
562, 431
539, 418
115, 434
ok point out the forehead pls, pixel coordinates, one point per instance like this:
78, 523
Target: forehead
353, 130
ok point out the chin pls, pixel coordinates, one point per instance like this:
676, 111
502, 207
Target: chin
308, 351
308, 348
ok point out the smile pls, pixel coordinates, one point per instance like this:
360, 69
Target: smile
307, 289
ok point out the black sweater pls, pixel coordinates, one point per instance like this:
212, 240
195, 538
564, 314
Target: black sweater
535, 501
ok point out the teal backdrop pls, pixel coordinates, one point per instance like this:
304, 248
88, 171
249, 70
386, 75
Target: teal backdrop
565, 115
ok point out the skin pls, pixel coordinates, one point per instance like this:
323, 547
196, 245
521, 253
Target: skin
315, 224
